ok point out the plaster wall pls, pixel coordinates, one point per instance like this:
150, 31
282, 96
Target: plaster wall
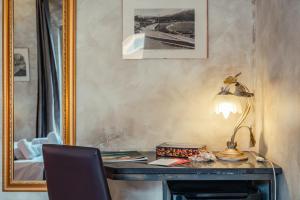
137, 104
278, 65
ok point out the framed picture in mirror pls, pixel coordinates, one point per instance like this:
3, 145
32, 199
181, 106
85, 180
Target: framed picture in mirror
21, 64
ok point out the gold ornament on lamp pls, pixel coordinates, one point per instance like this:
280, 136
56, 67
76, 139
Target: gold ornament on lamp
230, 102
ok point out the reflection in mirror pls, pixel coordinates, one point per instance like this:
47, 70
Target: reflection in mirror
37, 83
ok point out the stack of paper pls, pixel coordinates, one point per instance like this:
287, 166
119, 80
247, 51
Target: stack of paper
122, 156
169, 162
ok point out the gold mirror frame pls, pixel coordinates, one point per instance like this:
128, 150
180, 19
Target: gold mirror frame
69, 92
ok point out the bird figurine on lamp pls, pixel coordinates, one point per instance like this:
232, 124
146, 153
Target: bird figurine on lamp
230, 102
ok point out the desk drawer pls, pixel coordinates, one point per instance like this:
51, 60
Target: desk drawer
218, 197
214, 190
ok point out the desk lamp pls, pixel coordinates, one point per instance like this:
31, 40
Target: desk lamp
232, 102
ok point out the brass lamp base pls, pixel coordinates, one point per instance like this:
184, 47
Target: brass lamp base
231, 155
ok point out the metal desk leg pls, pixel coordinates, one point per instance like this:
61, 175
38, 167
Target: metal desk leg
273, 189
166, 191
265, 189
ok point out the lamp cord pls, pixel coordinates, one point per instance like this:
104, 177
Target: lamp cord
275, 182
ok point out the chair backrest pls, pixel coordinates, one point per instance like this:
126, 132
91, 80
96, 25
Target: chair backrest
74, 173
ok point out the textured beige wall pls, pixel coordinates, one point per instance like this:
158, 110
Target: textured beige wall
278, 63
130, 104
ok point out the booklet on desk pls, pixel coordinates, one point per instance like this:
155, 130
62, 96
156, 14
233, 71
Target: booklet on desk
169, 162
122, 156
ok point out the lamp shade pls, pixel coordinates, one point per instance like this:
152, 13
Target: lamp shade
227, 104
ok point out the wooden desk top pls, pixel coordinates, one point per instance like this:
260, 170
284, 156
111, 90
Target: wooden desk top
127, 170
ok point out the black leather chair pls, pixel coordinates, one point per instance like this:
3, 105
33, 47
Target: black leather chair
75, 173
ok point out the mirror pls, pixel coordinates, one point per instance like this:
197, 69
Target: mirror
38, 86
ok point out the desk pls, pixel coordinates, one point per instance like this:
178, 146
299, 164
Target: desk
260, 173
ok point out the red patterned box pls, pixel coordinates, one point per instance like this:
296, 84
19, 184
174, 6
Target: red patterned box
178, 150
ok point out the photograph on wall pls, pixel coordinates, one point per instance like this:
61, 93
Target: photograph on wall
165, 29
21, 64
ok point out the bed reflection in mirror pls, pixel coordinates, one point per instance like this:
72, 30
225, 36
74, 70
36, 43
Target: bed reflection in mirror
37, 83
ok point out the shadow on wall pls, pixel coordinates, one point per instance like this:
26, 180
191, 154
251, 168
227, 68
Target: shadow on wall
263, 148
282, 180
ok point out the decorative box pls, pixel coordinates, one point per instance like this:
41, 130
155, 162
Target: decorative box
179, 150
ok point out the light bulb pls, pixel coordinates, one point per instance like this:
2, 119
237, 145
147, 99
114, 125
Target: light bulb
226, 108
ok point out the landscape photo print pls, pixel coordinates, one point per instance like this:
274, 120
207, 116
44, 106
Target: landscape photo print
21, 64
164, 29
